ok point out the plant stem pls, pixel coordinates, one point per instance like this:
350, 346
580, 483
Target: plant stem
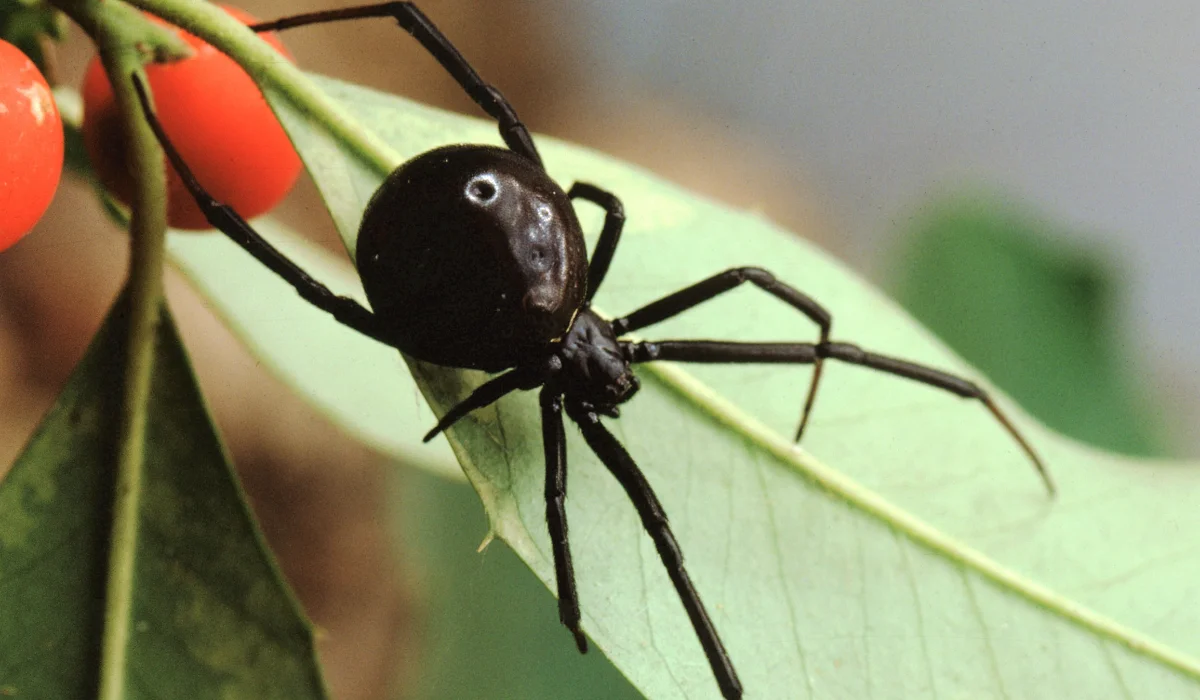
147, 229
124, 37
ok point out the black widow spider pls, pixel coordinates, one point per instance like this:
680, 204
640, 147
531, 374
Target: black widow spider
471, 256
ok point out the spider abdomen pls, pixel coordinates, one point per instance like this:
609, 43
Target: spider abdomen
471, 256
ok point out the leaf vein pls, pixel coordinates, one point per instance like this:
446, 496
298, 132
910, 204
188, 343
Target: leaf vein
984, 631
1106, 649
918, 610
787, 592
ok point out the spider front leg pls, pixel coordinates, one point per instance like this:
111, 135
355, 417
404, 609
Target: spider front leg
346, 310
488, 393
707, 351
413, 21
686, 298
654, 521
610, 234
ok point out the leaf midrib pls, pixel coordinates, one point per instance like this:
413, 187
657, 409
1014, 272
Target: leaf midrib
872, 504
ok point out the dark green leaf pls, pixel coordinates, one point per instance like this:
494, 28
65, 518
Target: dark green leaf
211, 616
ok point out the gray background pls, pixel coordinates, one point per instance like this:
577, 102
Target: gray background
1088, 111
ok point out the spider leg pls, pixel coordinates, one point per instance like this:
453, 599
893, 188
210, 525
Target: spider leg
555, 444
686, 298
654, 520
346, 310
610, 235
708, 351
490, 392
413, 21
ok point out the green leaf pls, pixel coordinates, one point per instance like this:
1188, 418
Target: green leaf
211, 616
820, 586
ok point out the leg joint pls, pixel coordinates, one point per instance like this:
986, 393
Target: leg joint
757, 275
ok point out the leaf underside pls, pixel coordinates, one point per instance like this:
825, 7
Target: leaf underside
820, 587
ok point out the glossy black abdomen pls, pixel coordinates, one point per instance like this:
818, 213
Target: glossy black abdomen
471, 256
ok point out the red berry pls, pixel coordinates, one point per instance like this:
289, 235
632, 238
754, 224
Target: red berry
215, 116
31, 145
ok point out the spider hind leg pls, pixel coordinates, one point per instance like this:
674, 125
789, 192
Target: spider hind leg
410, 18
347, 311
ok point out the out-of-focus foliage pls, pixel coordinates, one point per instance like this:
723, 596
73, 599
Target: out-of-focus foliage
23, 24
1039, 318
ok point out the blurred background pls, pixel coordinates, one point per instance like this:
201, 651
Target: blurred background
1018, 174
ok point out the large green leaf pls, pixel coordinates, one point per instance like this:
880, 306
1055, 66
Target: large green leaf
211, 616
820, 587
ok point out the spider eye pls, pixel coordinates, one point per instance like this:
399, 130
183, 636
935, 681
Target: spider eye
482, 189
